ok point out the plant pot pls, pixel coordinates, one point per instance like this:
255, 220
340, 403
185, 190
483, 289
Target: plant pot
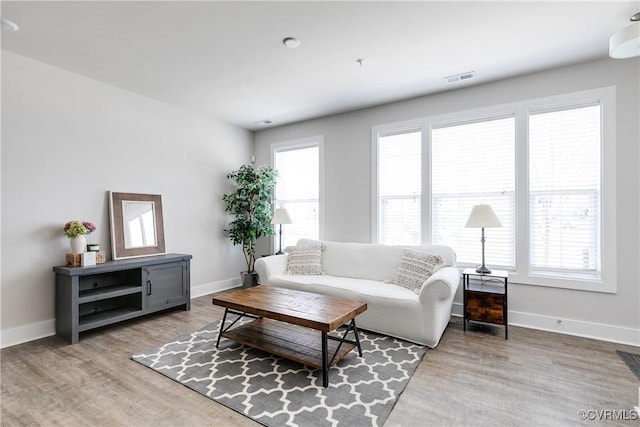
249, 279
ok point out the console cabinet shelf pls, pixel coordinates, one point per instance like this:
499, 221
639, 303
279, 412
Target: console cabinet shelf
91, 297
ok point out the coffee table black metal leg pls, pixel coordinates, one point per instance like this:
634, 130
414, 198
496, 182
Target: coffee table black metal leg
325, 362
224, 320
355, 332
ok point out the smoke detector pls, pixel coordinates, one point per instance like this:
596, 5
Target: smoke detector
291, 42
9, 25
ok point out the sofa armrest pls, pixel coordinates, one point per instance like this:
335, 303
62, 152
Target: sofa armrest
271, 266
442, 285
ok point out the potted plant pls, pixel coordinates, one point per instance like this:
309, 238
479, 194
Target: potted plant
75, 231
251, 206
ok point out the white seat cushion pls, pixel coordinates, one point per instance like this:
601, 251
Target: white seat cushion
357, 286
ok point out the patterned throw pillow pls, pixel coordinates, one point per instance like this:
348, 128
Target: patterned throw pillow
304, 260
415, 268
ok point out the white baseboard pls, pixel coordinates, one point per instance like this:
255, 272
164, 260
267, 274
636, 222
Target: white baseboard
456, 309
209, 288
35, 331
598, 331
31, 332
579, 328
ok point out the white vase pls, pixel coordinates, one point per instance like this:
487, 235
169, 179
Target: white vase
78, 244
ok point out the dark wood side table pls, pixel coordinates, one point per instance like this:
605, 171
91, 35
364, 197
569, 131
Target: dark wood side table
486, 301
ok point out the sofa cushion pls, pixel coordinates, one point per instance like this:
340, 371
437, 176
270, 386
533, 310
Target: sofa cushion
370, 261
345, 287
415, 268
304, 260
359, 260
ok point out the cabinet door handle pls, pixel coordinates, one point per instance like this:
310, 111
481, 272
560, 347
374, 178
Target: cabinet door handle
148, 287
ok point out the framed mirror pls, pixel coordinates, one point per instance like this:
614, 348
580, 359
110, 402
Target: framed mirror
137, 227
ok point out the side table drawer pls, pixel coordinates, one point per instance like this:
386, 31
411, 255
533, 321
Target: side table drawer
485, 307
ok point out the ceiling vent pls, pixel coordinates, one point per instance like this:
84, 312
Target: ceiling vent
459, 77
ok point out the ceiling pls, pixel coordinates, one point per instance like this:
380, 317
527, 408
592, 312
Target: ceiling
227, 60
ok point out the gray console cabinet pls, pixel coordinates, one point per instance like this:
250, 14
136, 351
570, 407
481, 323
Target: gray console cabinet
91, 297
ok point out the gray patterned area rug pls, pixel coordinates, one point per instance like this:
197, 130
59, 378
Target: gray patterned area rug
276, 392
632, 360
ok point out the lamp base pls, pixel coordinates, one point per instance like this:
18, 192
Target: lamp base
279, 252
483, 270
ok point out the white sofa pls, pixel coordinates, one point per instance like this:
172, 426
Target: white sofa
359, 271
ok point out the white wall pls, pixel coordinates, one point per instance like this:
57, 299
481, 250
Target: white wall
612, 317
68, 140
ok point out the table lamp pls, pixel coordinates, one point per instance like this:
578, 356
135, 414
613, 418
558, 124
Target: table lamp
482, 216
280, 216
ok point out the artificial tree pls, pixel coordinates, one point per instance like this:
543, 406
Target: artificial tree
251, 206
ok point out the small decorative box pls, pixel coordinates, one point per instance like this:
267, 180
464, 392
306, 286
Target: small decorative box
93, 247
74, 260
88, 259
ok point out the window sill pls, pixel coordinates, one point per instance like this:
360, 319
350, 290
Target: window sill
549, 281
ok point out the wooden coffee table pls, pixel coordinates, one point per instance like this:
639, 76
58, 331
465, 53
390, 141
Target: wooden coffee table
292, 324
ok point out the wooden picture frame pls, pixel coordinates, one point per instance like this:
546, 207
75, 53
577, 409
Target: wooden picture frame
137, 227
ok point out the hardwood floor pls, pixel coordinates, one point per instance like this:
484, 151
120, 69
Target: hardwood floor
474, 378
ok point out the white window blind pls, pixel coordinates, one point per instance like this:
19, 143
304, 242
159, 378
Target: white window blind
474, 163
399, 188
298, 190
564, 191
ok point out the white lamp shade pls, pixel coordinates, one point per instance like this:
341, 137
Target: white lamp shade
281, 216
625, 43
482, 216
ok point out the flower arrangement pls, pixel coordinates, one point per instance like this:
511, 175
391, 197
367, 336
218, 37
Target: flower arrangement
78, 228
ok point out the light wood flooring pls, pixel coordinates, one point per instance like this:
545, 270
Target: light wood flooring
475, 378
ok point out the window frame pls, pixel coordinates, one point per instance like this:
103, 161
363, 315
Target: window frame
606, 98
388, 130
381, 132
456, 120
297, 144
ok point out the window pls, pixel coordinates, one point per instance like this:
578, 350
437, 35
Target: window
473, 163
399, 188
546, 166
564, 191
298, 188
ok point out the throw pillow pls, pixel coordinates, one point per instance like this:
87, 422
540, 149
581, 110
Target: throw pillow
415, 268
304, 260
